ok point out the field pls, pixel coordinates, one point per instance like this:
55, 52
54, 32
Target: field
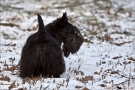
106, 58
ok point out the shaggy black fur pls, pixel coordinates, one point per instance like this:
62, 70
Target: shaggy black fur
65, 32
41, 55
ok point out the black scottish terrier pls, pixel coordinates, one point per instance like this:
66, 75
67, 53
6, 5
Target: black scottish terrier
65, 32
41, 55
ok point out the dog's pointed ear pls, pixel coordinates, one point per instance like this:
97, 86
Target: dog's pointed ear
64, 18
41, 30
40, 21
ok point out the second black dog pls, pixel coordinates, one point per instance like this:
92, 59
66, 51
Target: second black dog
41, 55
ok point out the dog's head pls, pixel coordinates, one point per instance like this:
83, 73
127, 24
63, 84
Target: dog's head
68, 34
72, 40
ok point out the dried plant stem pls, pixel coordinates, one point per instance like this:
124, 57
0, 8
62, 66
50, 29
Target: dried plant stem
97, 22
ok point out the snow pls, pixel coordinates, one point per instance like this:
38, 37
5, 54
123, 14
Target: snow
98, 58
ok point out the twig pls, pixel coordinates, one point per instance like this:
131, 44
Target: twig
41, 87
129, 77
122, 82
46, 87
9, 24
67, 81
96, 22
125, 76
15, 51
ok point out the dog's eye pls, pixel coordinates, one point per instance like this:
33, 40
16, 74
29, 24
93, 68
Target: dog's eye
75, 32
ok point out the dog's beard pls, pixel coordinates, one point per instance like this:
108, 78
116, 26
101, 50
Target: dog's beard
72, 44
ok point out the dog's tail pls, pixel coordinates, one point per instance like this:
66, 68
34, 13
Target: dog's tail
41, 31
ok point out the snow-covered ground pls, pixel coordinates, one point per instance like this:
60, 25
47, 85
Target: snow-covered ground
106, 58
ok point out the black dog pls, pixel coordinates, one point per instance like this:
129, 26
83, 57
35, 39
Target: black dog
65, 32
41, 55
